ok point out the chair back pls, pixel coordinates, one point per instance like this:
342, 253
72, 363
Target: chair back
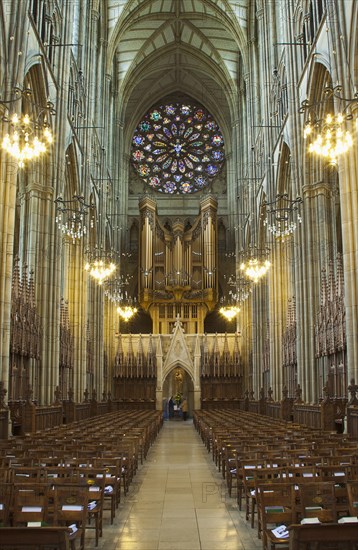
318, 500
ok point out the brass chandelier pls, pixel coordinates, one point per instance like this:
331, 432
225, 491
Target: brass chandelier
328, 136
127, 311
241, 288
71, 217
28, 137
229, 309
255, 263
282, 216
240, 291
100, 264
114, 291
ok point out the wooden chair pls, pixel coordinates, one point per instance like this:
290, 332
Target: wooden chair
318, 500
70, 507
29, 504
264, 477
276, 504
126, 466
302, 474
339, 475
95, 480
352, 490
231, 470
59, 472
27, 474
5, 503
6, 475
113, 480
248, 482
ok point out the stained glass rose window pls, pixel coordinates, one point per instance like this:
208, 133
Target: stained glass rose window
178, 148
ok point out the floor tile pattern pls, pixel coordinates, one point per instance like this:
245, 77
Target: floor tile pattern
178, 501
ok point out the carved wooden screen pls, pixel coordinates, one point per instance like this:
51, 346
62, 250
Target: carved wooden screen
25, 335
289, 349
266, 360
330, 331
221, 371
66, 351
89, 357
135, 373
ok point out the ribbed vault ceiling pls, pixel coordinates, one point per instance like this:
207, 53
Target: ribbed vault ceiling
159, 47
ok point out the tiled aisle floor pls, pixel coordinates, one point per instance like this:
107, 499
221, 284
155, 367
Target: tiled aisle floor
177, 501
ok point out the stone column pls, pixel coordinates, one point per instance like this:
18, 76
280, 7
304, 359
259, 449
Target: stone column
159, 365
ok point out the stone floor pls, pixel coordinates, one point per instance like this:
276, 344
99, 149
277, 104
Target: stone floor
178, 501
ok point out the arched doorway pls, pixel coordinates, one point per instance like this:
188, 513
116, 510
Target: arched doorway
179, 384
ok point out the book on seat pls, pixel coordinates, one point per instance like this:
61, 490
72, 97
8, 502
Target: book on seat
273, 509
281, 532
306, 521
348, 519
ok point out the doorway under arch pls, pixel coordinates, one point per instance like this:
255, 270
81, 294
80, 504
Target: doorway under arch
178, 383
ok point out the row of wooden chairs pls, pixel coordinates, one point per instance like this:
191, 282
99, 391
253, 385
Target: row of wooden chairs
72, 474
257, 458
284, 504
41, 505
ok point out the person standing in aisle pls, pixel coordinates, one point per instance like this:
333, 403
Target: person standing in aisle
171, 407
184, 408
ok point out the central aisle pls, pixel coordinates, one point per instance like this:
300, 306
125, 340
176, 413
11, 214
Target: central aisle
177, 501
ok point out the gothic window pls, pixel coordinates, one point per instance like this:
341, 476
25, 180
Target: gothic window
311, 20
320, 8
315, 16
35, 9
46, 20
310, 26
178, 148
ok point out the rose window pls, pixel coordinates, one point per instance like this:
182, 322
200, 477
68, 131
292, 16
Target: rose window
178, 148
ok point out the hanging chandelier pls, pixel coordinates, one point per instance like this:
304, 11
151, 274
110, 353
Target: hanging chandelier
126, 312
329, 137
330, 140
27, 138
100, 264
127, 307
71, 217
255, 263
113, 288
242, 288
282, 216
229, 310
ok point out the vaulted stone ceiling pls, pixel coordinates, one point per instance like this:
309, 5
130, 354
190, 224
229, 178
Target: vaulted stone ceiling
160, 47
